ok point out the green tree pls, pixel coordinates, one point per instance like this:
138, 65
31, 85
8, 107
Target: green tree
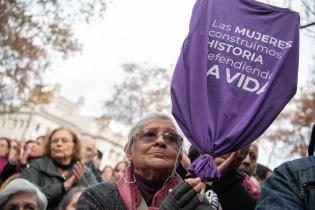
33, 34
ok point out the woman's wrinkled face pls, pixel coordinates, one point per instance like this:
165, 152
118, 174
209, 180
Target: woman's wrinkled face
21, 201
62, 145
155, 147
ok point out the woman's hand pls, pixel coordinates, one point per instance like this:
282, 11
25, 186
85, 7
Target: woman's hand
78, 174
69, 183
185, 197
232, 161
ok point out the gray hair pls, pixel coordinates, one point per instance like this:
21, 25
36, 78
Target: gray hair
145, 121
20, 185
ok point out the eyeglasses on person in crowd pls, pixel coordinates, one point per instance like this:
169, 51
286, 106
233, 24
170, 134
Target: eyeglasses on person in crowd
150, 135
63, 140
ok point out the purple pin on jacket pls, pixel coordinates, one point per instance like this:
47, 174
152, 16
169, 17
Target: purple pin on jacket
236, 71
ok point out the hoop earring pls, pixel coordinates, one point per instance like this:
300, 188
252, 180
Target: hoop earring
130, 182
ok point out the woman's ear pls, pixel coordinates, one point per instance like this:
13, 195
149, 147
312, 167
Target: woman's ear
180, 157
127, 150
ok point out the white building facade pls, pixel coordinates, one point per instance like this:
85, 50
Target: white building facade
29, 123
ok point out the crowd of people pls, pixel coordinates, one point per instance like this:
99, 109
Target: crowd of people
61, 171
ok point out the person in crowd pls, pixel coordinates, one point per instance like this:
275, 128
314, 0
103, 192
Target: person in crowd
248, 168
291, 185
28, 154
107, 173
69, 202
154, 150
14, 164
38, 148
4, 152
228, 193
249, 164
61, 168
21, 194
89, 153
119, 170
15, 152
262, 173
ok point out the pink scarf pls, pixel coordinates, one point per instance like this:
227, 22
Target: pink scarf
250, 187
131, 195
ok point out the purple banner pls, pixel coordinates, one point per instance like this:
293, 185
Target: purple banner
236, 71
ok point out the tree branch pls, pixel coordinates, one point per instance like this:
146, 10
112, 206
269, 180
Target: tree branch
308, 7
307, 25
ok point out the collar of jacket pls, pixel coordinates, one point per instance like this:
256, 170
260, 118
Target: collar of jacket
131, 195
47, 166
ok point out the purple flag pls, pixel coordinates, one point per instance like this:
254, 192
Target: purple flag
236, 71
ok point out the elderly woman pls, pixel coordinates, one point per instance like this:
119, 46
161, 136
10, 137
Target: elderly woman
153, 150
61, 167
21, 194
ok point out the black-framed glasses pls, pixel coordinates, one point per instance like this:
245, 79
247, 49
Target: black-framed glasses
170, 138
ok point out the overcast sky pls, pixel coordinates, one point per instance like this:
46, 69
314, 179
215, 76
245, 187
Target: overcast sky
132, 31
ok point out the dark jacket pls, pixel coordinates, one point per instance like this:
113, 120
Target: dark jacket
44, 173
232, 194
103, 196
290, 187
96, 172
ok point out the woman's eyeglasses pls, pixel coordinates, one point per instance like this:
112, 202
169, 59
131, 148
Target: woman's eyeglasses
170, 138
63, 140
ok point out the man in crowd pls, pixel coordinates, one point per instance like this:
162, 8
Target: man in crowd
248, 168
249, 164
89, 154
